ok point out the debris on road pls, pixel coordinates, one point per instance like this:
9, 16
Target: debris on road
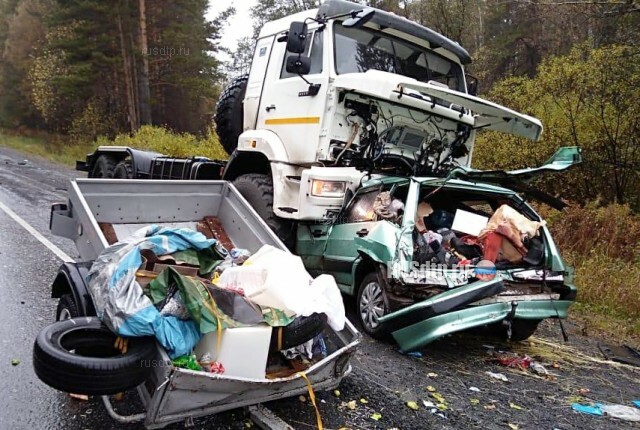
376, 416
622, 412
15, 362
498, 376
474, 389
622, 354
413, 405
539, 368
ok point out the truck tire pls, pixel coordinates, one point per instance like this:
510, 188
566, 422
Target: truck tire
67, 308
123, 170
257, 188
229, 117
103, 167
94, 367
298, 332
370, 305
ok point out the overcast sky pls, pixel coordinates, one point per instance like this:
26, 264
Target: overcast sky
239, 25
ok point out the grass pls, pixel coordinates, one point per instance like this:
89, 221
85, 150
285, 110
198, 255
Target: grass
63, 150
603, 245
50, 147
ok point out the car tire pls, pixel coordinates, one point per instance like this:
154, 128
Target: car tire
523, 329
257, 188
229, 116
370, 305
520, 329
123, 170
78, 356
103, 167
298, 332
67, 308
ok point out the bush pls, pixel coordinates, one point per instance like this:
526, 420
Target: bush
603, 244
168, 143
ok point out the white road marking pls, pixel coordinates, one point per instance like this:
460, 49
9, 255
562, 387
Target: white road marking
59, 253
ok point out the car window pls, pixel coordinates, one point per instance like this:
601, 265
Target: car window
361, 209
314, 51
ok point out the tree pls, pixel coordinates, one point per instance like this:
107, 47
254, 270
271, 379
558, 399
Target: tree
587, 98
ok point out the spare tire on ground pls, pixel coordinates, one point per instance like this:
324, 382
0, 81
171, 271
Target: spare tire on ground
78, 356
229, 117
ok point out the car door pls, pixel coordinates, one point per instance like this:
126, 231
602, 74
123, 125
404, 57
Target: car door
341, 250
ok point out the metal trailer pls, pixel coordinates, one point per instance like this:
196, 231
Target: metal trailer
173, 394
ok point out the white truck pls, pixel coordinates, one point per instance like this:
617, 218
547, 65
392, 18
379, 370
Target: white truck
333, 95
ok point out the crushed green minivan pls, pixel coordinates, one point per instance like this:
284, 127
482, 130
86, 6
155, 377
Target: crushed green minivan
381, 249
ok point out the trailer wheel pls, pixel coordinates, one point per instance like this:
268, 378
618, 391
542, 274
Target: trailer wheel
78, 356
370, 306
298, 332
258, 190
123, 170
104, 167
229, 117
67, 308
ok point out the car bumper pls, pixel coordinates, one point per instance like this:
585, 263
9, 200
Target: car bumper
421, 333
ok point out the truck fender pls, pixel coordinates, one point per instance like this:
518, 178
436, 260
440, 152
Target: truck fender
257, 149
71, 280
141, 161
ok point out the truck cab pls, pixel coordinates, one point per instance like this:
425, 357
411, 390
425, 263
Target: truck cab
341, 92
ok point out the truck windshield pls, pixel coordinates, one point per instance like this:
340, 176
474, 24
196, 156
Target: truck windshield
358, 50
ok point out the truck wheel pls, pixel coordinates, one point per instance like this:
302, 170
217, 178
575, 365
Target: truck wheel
78, 356
104, 167
258, 190
229, 117
370, 306
123, 170
298, 332
66, 308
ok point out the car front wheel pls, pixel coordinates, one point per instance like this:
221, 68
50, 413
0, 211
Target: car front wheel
371, 306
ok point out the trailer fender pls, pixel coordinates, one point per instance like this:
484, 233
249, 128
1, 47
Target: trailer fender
71, 280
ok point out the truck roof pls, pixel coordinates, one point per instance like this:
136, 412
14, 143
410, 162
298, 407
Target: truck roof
384, 20
390, 20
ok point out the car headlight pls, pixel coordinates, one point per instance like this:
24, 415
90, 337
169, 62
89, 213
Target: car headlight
333, 189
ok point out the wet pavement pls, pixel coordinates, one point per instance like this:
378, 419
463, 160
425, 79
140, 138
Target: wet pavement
383, 378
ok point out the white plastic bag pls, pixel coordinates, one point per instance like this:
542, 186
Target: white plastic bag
278, 279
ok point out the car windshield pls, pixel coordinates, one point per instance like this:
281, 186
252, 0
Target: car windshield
358, 50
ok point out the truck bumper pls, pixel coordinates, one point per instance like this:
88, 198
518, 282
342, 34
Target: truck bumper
421, 333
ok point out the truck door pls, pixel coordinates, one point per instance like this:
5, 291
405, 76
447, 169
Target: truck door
285, 109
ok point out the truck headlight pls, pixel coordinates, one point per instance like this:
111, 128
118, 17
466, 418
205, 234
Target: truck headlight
333, 189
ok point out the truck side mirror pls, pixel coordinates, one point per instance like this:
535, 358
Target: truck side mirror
298, 64
360, 18
472, 85
297, 37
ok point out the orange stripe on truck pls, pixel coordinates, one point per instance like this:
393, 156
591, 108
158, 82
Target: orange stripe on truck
294, 120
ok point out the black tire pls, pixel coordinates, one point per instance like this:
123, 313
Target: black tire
123, 170
258, 190
229, 115
520, 329
368, 316
523, 329
67, 308
103, 167
95, 367
298, 332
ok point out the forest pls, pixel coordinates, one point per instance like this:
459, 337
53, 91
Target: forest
143, 70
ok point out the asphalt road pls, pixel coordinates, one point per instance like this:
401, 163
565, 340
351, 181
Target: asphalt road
382, 378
